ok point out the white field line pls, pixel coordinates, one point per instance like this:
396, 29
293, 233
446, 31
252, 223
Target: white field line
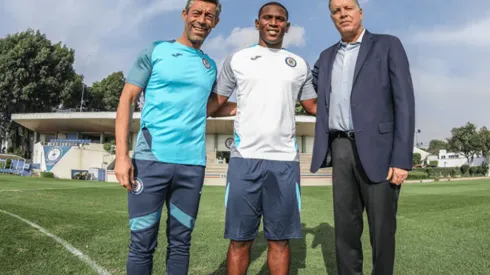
100, 270
43, 189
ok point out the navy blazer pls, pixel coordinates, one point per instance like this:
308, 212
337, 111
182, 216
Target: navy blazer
382, 103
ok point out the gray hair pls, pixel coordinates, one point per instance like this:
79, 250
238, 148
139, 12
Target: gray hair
355, 2
218, 5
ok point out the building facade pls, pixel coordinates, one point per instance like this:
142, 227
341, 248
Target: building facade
69, 143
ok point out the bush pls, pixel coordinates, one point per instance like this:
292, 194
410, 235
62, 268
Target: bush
47, 175
455, 172
448, 172
109, 147
465, 169
433, 163
479, 170
19, 151
436, 172
474, 171
417, 175
484, 168
417, 158
8, 163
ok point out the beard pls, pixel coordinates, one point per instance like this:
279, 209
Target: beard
194, 38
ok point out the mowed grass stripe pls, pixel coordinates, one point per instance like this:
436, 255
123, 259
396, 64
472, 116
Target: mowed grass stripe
25, 250
443, 229
8, 182
79, 254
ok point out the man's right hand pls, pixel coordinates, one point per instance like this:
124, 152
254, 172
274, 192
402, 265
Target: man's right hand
390, 174
124, 171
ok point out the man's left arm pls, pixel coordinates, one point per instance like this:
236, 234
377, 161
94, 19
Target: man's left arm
307, 95
404, 112
222, 89
219, 106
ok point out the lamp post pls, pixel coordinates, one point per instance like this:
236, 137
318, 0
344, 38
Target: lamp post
81, 100
416, 137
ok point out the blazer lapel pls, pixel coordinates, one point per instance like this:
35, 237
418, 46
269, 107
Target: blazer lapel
366, 44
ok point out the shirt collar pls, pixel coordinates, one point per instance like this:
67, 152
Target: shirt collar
358, 41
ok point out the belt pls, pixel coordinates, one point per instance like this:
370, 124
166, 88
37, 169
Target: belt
343, 134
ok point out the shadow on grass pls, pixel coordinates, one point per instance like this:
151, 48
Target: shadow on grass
323, 237
258, 248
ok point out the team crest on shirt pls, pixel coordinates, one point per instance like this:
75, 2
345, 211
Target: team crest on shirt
137, 186
291, 62
206, 63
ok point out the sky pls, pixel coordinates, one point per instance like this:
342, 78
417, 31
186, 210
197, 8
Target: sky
447, 42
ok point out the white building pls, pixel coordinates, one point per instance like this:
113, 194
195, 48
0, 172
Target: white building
449, 159
423, 154
66, 143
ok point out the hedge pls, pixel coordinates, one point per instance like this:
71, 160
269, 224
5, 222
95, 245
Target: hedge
417, 175
47, 175
453, 172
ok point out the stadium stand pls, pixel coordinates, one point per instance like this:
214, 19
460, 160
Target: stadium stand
14, 165
68, 142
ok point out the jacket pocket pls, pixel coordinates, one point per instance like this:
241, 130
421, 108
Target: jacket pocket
385, 127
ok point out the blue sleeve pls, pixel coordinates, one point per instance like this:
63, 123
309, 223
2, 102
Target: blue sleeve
140, 72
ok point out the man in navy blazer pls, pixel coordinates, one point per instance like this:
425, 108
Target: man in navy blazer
365, 121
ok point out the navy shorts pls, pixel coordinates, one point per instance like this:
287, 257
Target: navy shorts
267, 188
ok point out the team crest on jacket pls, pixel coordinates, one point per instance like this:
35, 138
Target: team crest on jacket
206, 63
137, 186
291, 62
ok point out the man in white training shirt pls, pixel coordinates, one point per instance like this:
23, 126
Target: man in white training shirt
264, 172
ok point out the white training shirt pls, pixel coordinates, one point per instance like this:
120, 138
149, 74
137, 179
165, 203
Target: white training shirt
268, 82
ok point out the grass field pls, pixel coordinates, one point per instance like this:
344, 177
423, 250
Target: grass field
443, 228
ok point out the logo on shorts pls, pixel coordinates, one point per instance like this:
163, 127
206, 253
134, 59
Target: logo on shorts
137, 186
206, 63
228, 143
291, 62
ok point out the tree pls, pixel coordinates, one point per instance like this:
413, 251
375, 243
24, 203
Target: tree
105, 93
465, 140
435, 145
485, 139
72, 96
35, 75
417, 158
299, 109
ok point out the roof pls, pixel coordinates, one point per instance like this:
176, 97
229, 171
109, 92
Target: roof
421, 152
10, 156
96, 122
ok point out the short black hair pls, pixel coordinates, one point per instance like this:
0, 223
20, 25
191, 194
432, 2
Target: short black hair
273, 3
